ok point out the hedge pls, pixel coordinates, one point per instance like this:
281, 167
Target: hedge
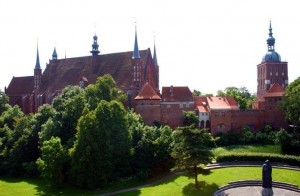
288, 159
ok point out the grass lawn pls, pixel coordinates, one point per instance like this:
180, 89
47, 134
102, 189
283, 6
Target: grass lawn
182, 185
34, 186
248, 148
179, 185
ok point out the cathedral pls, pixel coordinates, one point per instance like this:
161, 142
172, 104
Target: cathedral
137, 74
131, 70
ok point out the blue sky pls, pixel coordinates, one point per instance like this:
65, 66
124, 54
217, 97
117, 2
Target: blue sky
206, 45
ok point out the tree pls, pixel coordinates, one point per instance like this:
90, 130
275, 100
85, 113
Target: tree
101, 152
69, 106
191, 147
11, 116
52, 160
104, 89
3, 102
197, 93
190, 118
290, 103
152, 150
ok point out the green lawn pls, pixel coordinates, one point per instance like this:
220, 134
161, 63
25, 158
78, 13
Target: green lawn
179, 185
248, 148
182, 185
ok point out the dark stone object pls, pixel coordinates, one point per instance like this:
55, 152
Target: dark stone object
267, 175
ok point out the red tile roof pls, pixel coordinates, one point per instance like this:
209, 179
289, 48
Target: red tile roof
217, 103
58, 74
201, 103
275, 91
20, 86
147, 92
177, 93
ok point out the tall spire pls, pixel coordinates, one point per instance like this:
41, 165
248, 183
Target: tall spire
136, 52
37, 64
154, 54
54, 54
95, 46
271, 39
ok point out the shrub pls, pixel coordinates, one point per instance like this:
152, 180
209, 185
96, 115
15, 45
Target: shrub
227, 139
289, 159
288, 144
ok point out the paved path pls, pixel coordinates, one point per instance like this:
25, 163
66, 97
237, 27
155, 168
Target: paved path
244, 191
255, 190
142, 186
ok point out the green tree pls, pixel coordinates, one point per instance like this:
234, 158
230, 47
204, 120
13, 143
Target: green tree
52, 161
152, 150
190, 118
21, 152
104, 89
290, 104
197, 93
3, 102
191, 147
69, 106
101, 151
11, 116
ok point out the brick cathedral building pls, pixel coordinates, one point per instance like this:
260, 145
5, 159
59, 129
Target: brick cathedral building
130, 70
137, 73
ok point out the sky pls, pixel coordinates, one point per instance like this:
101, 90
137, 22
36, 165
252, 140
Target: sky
205, 45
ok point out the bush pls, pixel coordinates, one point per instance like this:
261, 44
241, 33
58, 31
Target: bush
227, 139
289, 159
288, 144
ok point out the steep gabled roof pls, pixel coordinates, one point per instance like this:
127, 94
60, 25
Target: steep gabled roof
275, 91
177, 93
147, 92
20, 85
62, 72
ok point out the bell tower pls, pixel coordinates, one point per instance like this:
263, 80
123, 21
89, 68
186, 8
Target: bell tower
271, 70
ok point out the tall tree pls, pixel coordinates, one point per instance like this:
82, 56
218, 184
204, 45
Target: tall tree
52, 160
291, 103
191, 148
102, 148
69, 106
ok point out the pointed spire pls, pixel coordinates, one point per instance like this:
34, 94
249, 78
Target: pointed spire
95, 46
37, 64
271, 39
136, 52
54, 54
154, 54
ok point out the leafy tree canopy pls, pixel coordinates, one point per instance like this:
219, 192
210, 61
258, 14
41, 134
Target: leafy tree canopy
291, 103
104, 89
190, 118
102, 147
3, 102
